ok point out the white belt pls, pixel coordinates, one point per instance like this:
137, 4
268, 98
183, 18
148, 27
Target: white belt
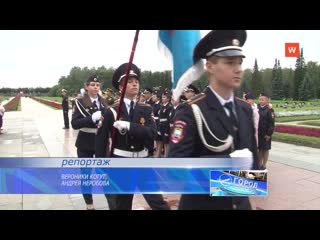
123, 153
89, 130
156, 118
163, 120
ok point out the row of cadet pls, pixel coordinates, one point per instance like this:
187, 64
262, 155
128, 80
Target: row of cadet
211, 124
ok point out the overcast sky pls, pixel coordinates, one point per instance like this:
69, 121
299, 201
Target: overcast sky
39, 58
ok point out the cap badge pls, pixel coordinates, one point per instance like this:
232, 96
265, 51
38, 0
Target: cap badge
235, 42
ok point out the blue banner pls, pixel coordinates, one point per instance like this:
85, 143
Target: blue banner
113, 175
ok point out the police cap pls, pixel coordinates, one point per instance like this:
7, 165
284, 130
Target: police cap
121, 71
221, 43
250, 95
147, 90
92, 78
192, 88
264, 94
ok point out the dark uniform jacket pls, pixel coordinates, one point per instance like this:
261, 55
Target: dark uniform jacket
266, 127
155, 108
81, 119
164, 119
65, 103
189, 144
141, 134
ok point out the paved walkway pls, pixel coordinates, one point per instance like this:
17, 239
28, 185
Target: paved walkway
36, 131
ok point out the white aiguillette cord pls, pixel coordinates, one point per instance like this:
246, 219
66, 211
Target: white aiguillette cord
227, 143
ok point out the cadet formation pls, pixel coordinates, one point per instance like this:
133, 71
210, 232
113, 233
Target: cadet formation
208, 122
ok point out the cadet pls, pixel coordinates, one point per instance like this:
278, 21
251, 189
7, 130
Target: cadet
265, 129
164, 120
191, 91
148, 93
109, 97
226, 121
86, 115
65, 108
135, 133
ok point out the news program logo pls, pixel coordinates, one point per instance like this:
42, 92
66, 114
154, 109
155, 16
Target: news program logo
292, 50
238, 183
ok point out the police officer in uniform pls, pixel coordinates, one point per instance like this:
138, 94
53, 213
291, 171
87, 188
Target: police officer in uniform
191, 91
215, 123
109, 97
265, 129
148, 93
65, 108
164, 120
135, 133
87, 112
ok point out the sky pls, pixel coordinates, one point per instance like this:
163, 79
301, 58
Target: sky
38, 58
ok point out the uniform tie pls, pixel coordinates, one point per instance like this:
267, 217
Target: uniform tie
235, 126
131, 110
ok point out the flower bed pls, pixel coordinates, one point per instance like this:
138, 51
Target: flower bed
312, 132
12, 105
48, 102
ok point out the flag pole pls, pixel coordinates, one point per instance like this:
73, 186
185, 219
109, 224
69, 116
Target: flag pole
114, 135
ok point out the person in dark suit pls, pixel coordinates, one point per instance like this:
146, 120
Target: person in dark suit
86, 115
65, 108
227, 123
135, 134
148, 93
265, 129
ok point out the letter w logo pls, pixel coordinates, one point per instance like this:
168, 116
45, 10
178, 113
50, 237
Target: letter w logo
292, 50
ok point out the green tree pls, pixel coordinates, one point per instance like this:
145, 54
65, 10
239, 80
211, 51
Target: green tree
299, 73
305, 90
256, 80
276, 83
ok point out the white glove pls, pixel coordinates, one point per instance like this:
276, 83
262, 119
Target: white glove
96, 116
122, 125
246, 158
242, 153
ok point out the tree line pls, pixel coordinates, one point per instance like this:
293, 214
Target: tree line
301, 83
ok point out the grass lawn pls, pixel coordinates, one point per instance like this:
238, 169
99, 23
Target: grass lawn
297, 118
311, 123
296, 139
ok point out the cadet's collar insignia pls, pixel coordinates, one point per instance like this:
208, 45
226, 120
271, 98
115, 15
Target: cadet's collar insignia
179, 131
235, 42
142, 120
90, 108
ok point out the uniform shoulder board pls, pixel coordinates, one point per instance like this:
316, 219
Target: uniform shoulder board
242, 100
144, 104
195, 99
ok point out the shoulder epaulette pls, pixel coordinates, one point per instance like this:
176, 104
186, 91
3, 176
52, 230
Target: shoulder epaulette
242, 100
144, 104
195, 99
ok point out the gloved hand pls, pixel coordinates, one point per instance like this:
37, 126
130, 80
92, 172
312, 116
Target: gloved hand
96, 116
122, 125
242, 153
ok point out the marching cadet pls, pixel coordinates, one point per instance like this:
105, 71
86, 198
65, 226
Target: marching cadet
156, 98
148, 93
135, 133
191, 91
265, 129
87, 112
65, 108
215, 123
164, 121
109, 96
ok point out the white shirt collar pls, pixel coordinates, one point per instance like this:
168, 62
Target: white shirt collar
94, 99
220, 99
